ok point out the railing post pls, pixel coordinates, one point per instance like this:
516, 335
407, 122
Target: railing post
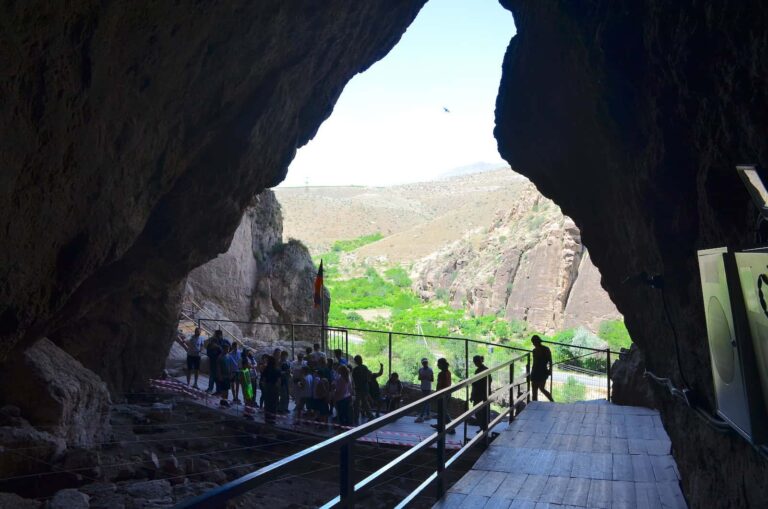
346, 343
293, 342
440, 485
347, 475
466, 389
389, 353
511, 392
528, 377
608, 371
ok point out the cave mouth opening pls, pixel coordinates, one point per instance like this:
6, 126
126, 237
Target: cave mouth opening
356, 196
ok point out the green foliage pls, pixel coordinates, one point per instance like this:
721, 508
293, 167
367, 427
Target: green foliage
615, 333
407, 313
570, 391
352, 244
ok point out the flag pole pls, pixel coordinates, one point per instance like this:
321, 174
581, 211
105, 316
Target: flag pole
322, 311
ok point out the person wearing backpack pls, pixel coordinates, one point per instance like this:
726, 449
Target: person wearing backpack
342, 396
321, 392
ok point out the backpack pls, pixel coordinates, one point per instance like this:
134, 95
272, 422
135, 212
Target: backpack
321, 389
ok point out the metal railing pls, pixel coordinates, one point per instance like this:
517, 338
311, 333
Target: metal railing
580, 373
207, 318
344, 444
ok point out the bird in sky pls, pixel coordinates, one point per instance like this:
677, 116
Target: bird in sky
446, 109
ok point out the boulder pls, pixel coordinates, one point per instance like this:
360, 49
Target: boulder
159, 490
13, 501
628, 385
69, 499
56, 393
38, 450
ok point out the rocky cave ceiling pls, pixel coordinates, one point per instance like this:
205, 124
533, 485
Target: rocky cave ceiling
135, 135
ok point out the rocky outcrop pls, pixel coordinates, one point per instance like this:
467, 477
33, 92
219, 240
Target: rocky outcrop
134, 139
530, 265
57, 394
259, 279
639, 148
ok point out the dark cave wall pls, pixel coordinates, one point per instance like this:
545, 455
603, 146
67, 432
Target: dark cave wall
632, 117
134, 136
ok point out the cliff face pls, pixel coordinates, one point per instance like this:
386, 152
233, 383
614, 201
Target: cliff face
639, 148
530, 265
259, 279
134, 138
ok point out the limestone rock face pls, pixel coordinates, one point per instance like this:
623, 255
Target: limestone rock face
134, 138
587, 305
639, 148
259, 279
530, 266
57, 394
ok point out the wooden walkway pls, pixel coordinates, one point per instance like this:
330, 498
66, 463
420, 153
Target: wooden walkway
577, 455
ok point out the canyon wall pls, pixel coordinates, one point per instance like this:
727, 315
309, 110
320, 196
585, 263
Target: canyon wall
259, 279
530, 266
662, 100
135, 136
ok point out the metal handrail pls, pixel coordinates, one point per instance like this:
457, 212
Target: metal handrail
215, 320
348, 489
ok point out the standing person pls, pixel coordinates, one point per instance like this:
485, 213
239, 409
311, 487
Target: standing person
443, 381
542, 368
245, 379
308, 357
321, 396
213, 351
271, 376
285, 383
393, 391
426, 377
236, 355
316, 355
374, 390
480, 391
261, 367
225, 370
342, 395
338, 355
304, 385
195, 344
361, 376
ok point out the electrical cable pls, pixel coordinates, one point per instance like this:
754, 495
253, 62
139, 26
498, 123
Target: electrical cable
676, 341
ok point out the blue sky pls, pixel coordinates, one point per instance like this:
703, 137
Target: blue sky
389, 126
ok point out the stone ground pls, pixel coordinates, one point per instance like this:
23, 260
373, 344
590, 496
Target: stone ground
578, 455
165, 449
403, 432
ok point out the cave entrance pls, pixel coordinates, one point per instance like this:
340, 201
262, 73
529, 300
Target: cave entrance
421, 225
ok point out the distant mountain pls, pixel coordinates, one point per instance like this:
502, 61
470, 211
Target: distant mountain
485, 241
470, 169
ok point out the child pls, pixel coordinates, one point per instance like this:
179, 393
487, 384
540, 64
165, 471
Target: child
393, 391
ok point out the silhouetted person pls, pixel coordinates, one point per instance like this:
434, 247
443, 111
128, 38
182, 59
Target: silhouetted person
213, 351
480, 391
361, 376
195, 344
271, 376
542, 368
443, 381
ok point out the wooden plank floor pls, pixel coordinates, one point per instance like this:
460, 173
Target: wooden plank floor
578, 455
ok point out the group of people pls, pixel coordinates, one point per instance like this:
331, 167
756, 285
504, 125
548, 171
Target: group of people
320, 385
